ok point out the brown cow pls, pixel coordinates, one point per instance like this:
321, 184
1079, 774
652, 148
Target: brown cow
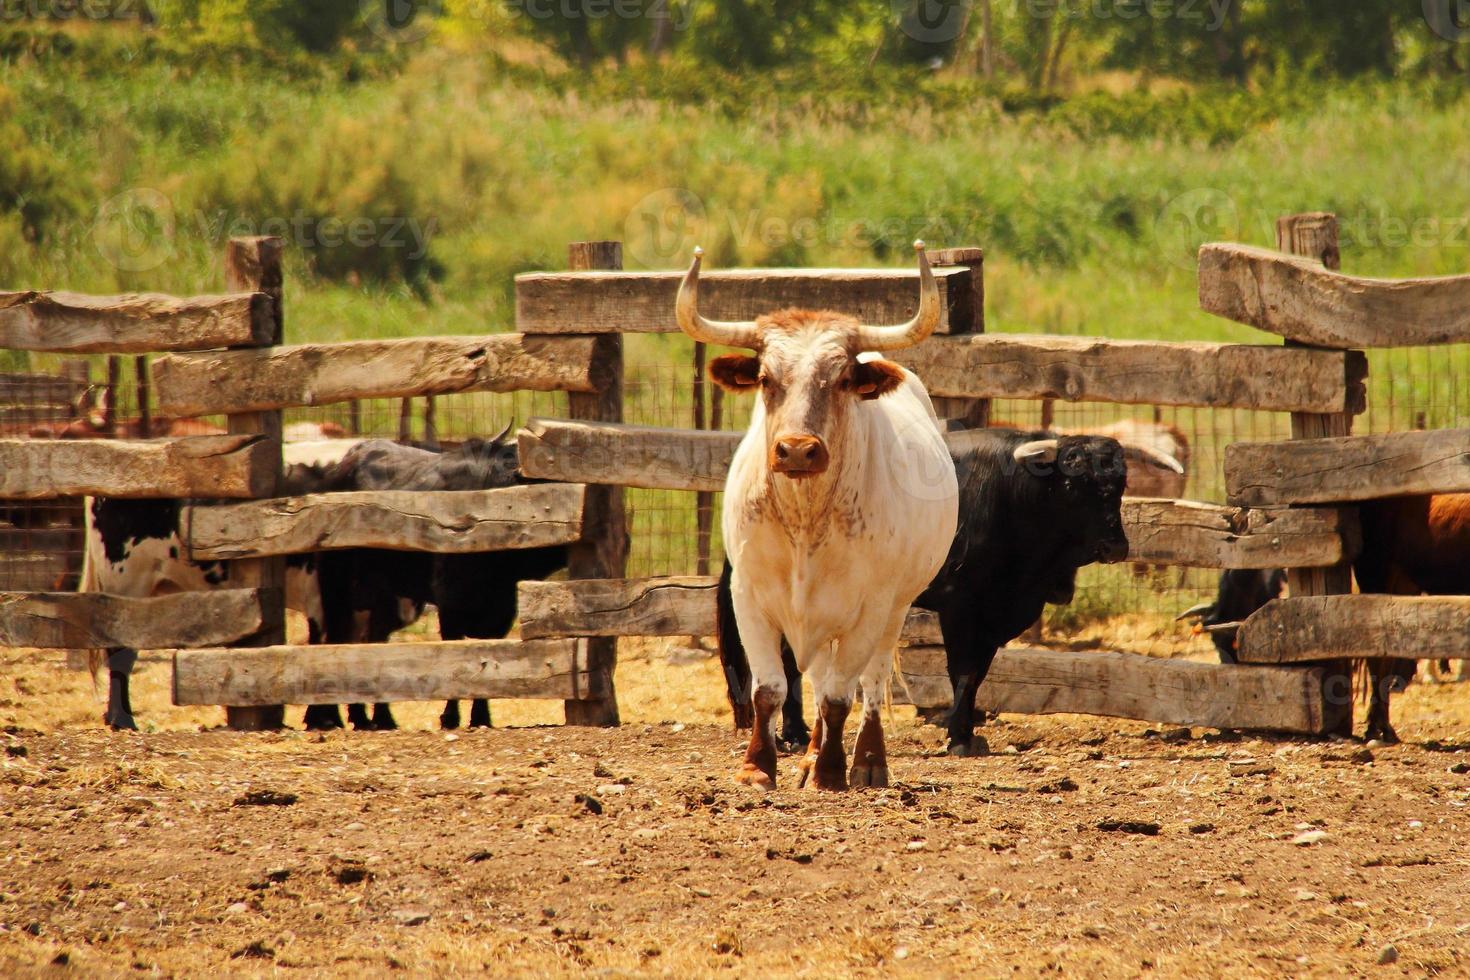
1411, 546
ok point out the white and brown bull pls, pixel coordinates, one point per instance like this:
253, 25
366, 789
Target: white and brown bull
839, 509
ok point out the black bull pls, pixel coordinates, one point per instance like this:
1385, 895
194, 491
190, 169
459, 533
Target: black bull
368, 593
1024, 530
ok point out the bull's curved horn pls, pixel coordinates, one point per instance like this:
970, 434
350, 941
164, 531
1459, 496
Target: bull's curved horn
732, 333
1040, 451
1196, 612
1159, 458
920, 327
505, 431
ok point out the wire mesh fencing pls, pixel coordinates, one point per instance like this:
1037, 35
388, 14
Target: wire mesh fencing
677, 532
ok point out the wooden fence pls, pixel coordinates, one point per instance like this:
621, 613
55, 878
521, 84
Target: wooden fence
1290, 503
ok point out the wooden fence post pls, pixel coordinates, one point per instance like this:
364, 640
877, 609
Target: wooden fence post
603, 552
431, 423
254, 264
1315, 235
973, 413
145, 411
109, 403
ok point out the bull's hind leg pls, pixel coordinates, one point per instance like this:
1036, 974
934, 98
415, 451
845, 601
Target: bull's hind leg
480, 713
1385, 678
322, 717
795, 736
449, 717
829, 770
870, 754
808, 761
119, 703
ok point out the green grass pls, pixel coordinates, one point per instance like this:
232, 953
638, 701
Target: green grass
1085, 232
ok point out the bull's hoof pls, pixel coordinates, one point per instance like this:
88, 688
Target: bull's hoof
817, 775
827, 781
976, 747
804, 767
122, 723
1384, 735
874, 777
449, 722
753, 775
322, 718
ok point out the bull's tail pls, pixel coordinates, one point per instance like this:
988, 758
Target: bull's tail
732, 653
96, 658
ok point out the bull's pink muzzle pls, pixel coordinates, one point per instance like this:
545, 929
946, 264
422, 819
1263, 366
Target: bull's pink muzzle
799, 456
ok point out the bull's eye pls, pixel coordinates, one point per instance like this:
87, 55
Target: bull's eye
765, 381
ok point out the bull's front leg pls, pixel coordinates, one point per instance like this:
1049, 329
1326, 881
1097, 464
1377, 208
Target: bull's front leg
825, 765
119, 714
322, 717
480, 713
968, 656
768, 691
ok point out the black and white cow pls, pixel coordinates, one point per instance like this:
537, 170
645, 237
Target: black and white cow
369, 593
133, 549
1034, 508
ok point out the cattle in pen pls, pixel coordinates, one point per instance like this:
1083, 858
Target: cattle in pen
1033, 509
368, 593
134, 548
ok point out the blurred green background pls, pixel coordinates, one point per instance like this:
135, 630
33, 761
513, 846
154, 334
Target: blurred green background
1088, 145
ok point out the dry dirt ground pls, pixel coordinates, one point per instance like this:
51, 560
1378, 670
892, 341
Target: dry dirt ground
1081, 847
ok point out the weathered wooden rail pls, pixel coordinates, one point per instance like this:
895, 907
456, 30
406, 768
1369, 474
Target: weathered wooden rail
446, 522
86, 620
135, 323
1026, 681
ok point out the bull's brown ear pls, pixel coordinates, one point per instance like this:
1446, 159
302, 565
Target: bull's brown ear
874, 379
735, 372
